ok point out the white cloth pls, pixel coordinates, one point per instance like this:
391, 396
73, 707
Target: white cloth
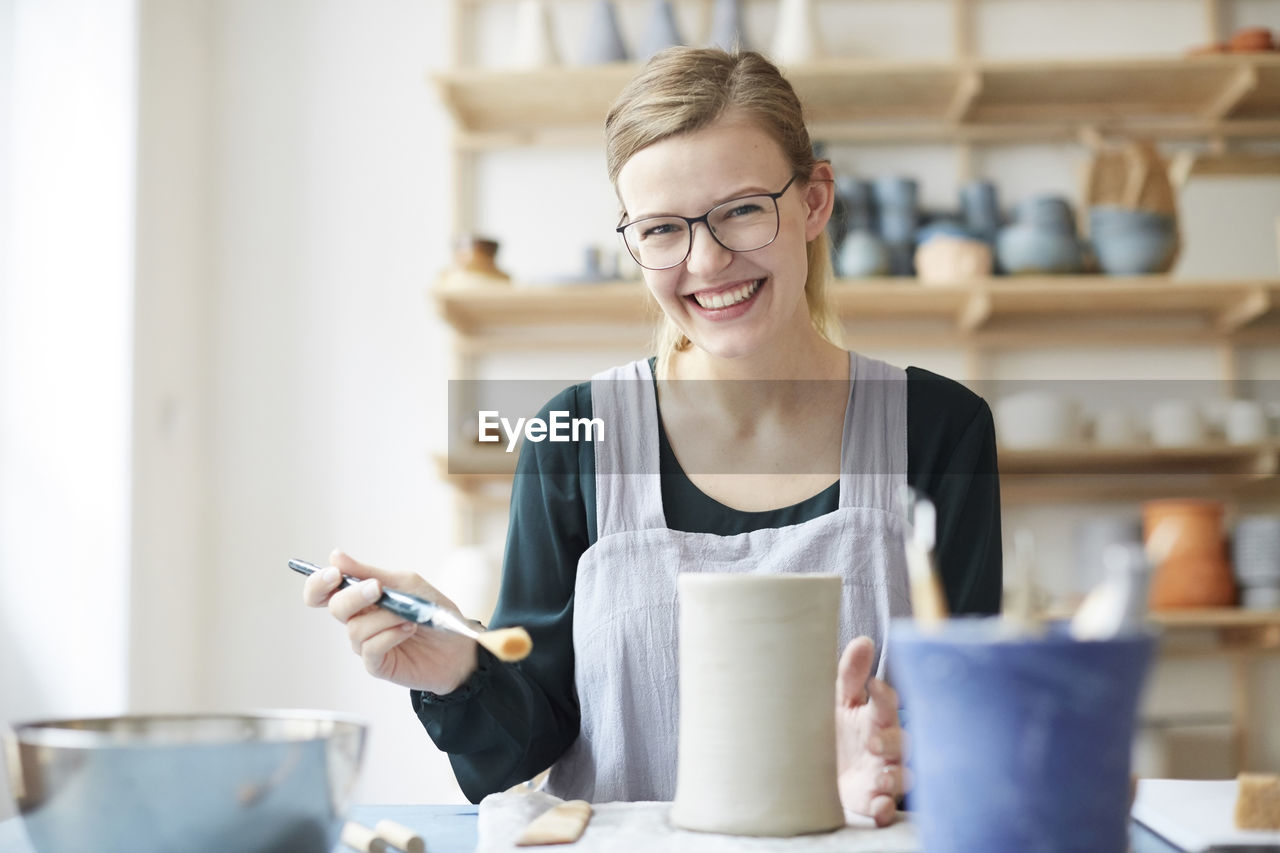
643, 828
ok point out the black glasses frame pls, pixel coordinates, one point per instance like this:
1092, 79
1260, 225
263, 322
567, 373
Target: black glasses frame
694, 220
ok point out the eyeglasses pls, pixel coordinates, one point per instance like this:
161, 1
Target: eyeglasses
740, 225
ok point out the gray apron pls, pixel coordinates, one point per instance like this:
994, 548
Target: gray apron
625, 609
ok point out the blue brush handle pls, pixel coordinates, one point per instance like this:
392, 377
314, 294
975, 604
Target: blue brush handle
405, 606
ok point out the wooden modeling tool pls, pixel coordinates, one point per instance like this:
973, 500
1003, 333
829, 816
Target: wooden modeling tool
562, 824
357, 836
507, 644
1021, 613
928, 604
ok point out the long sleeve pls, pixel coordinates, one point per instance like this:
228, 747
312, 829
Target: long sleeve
509, 722
952, 459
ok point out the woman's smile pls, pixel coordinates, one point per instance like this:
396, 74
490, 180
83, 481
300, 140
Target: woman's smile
727, 301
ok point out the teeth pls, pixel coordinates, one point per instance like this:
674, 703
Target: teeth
727, 298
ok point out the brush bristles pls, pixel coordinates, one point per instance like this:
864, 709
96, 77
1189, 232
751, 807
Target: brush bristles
507, 644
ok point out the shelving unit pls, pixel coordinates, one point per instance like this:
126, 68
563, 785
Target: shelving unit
858, 100
995, 311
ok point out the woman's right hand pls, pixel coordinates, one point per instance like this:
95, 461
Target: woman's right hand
392, 648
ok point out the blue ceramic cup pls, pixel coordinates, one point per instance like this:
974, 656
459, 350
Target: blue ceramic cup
1018, 744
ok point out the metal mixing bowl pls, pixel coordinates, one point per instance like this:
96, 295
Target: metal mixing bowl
250, 783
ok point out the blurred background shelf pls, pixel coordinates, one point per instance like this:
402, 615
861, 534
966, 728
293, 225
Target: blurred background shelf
996, 312
851, 100
1082, 473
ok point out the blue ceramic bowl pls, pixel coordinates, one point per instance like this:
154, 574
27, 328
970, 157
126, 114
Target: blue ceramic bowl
1133, 242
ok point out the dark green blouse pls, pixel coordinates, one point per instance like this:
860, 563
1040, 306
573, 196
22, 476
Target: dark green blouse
509, 722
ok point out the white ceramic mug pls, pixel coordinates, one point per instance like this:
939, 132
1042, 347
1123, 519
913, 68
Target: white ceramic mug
1245, 422
1031, 419
1116, 427
1177, 423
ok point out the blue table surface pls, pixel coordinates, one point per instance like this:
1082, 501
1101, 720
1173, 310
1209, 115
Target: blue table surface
452, 829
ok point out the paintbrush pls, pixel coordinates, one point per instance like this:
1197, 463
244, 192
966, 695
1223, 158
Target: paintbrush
928, 604
507, 644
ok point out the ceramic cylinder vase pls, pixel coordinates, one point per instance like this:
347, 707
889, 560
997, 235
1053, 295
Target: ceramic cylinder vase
757, 741
795, 37
727, 32
604, 42
663, 31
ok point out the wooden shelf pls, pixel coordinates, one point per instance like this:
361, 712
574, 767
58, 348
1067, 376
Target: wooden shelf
875, 100
1218, 617
998, 311
1251, 461
1210, 633
1080, 473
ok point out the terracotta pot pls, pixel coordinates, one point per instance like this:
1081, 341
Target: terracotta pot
1196, 571
477, 254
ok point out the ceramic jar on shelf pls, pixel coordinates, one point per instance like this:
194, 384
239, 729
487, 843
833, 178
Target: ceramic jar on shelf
535, 45
662, 31
1042, 239
897, 206
474, 263
727, 30
1194, 570
796, 39
604, 43
858, 251
1256, 553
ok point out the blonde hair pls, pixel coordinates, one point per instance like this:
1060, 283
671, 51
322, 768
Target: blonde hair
684, 89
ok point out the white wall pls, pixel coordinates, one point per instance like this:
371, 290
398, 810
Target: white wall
328, 167
65, 355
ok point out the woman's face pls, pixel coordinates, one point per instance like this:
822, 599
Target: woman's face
730, 304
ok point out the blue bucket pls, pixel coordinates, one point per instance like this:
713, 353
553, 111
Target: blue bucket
1018, 744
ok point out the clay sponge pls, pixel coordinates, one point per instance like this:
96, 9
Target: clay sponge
1258, 801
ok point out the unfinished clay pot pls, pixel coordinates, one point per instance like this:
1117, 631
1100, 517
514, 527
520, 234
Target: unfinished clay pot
757, 698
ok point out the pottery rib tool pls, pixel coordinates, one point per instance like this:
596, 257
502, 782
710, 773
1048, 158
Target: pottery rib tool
400, 836
359, 837
928, 604
561, 824
507, 644
1021, 615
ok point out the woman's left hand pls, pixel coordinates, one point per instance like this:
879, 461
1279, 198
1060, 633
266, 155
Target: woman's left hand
869, 740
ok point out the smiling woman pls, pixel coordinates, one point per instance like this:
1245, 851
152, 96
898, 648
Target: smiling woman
750, 442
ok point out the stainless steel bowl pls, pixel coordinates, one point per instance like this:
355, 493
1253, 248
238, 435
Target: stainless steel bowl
250, 783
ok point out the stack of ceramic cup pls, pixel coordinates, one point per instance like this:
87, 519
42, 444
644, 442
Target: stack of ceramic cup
1256, 554
897, 203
